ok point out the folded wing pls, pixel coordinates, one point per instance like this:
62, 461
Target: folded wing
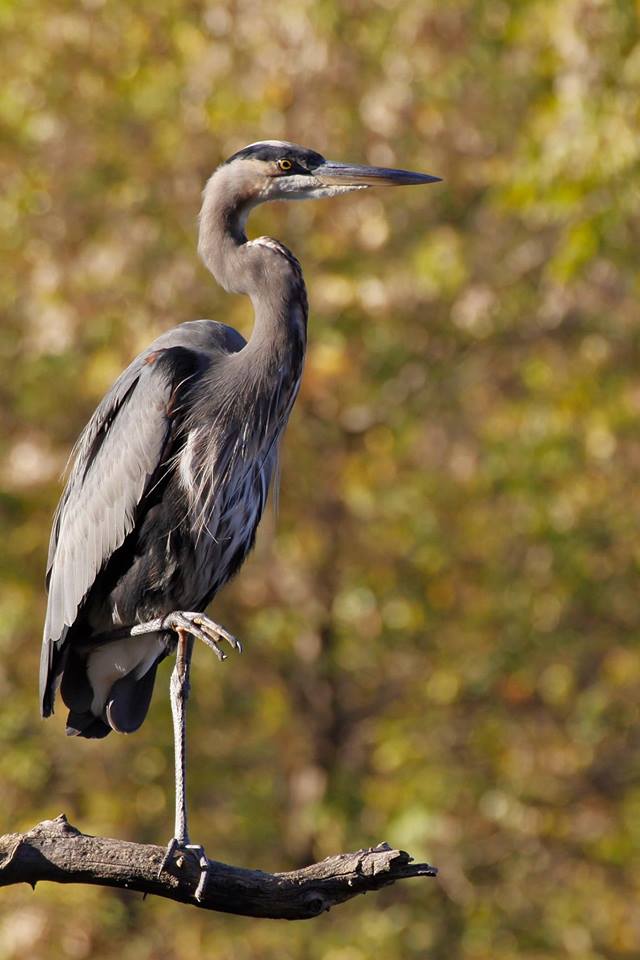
116, 458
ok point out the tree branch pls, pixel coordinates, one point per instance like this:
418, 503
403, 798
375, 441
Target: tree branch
55, 850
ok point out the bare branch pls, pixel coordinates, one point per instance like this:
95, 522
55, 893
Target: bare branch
54, 850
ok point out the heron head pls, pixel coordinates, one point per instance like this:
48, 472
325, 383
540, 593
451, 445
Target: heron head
277, 170
273, 170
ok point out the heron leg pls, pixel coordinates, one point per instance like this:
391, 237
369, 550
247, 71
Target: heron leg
179, 690
194, 623
189, 627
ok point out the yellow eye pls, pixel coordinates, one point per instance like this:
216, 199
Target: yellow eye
285, 164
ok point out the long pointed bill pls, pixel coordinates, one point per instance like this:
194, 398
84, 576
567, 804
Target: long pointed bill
332, 174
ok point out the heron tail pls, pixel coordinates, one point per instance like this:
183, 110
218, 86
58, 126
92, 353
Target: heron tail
121, 705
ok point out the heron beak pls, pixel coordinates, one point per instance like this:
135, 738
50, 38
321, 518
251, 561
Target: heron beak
332, 174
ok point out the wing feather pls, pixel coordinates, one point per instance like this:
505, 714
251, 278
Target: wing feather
114, 462
116, 456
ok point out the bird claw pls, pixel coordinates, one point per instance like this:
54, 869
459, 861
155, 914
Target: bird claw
202, 628
193, 849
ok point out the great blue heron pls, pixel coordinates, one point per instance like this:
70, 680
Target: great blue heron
171, 474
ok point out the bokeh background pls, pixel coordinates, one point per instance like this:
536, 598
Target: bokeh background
442, 626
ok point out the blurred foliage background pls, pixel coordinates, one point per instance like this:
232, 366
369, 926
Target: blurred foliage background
442, 627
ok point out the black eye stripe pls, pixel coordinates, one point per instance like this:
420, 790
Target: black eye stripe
302, 160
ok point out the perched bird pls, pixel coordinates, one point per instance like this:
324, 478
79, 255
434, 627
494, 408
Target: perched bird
172, 472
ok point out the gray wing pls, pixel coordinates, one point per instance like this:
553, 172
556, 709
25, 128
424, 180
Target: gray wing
117, 454
114, 460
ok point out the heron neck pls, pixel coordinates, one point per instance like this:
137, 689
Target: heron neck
221, 238
263, 269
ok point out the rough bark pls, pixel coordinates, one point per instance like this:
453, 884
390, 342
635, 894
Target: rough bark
55, 850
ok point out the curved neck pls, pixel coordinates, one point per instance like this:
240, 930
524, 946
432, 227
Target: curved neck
262, 269
221, 236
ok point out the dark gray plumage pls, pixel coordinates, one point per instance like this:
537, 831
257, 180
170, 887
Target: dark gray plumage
171, 474
122, 546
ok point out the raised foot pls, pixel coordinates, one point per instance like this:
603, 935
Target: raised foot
202, 628
176, 851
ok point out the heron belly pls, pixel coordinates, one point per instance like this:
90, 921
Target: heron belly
221, 544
